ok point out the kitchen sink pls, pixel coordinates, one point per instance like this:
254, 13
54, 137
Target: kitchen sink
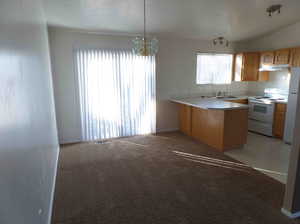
226, 97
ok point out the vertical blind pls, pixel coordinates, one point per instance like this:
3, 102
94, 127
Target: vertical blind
214, 68
117, 93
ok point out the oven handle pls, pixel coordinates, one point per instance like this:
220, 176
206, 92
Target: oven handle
266, 104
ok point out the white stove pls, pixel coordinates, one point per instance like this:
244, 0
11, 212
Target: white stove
261, 114
266, 99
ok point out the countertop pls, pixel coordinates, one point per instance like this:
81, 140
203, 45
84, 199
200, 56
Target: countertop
281, 101
212, 103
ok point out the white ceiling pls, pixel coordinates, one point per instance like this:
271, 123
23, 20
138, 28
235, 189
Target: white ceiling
202, 19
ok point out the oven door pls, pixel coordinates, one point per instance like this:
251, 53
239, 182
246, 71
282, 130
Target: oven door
261, 111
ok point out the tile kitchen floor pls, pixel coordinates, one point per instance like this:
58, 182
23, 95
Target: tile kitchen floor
266, 154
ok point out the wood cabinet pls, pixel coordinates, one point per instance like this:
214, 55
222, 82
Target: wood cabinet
220, 129
263, 76
185, 119
279, 120
251, 66
246, 68
267, 58
278, 57
282, 57
241, 101
295, 57
206, 126
237, 67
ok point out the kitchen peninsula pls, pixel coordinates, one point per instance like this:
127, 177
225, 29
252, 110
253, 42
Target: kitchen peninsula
218, 123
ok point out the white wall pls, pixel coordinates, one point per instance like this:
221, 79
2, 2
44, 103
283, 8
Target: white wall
176, 75
28, 137
282, 38
65, 87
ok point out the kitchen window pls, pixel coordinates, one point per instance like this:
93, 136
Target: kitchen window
214, 68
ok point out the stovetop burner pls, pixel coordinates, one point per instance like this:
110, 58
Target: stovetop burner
262, 97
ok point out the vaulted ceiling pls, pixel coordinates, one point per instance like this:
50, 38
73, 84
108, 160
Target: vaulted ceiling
202, 19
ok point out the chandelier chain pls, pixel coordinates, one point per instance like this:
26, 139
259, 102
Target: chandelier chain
145, 19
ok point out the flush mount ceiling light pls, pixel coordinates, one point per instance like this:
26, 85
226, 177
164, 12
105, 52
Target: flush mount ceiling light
274, 8
221, 41
145, 46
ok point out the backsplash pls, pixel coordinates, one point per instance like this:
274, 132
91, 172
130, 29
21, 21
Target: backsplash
278, 80
235, 88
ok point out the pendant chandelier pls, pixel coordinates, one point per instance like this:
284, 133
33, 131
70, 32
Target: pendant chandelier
144, 46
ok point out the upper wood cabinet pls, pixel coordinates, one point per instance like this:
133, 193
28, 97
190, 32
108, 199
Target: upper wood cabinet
237, 67
251, 66
282, 57
267, 58
263, 76
295, 57
246, 67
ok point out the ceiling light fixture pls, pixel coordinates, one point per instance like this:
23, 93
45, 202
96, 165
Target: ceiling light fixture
274, 8
144, 46
221, 41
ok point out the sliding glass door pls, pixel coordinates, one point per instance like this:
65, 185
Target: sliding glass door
116, 93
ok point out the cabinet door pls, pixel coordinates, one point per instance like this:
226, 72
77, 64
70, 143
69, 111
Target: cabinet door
238, 67
251, 66
185, 119
207, 127
282, 57
263, 76
267, 58
241, 101
295, 57
279, 120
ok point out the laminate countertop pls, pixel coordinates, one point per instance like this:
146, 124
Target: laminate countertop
212, 103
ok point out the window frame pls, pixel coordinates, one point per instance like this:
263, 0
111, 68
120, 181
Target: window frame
212, 54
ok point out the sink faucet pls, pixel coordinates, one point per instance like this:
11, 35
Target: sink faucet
219, 93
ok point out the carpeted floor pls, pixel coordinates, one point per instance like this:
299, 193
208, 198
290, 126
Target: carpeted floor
163, 179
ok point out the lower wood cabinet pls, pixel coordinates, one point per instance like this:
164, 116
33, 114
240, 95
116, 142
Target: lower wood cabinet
207, 126
220, 129
185, 119
279, 120
241, 101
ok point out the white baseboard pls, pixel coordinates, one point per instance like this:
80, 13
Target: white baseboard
289, 214
63, 142
53, 186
